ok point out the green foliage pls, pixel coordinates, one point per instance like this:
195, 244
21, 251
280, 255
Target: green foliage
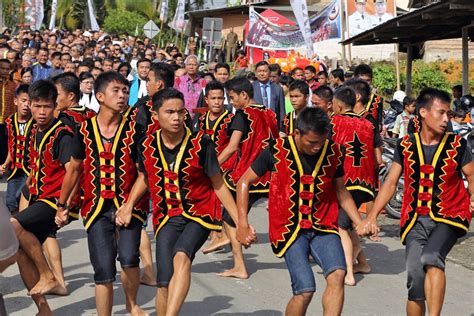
423, 75
118, 22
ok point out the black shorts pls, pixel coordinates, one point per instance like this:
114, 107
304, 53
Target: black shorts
105, 240
253, 197
427, 244
359, 197
179, 234
38, 219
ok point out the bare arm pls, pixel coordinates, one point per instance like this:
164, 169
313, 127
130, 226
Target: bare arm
386, 192
244, 230
231, 148
124, 213
73, 171
378, 156
224, 196
6, 163
346, 201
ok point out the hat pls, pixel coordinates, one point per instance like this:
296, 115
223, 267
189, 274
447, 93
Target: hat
361, 1
87, 34
380, 1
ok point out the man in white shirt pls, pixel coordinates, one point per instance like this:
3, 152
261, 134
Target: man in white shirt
360, 20
381, 15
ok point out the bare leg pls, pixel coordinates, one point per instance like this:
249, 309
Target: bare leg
333, 297
348, 250
179, 284
161, 301
30, 276
148, 277
32, 248
415, 308
131, 280
435, 287
104, 298
362, 266
239, 270
53, 254
218, 241
23, 203
298, 304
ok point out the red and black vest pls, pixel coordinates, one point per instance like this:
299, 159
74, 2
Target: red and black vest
219, 134
437, 188
289, 123
47, 174
298, 200
109, 174
77, 114
374, 108
262, 128
18, 145
357, 135
183, 190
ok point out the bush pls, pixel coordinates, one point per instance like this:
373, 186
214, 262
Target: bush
119, 22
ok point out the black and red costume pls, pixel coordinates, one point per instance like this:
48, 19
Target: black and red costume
434, 188
299, 200
374, 109
18, 145
288, 124
261, 129
218, 131
183, 189
109, 172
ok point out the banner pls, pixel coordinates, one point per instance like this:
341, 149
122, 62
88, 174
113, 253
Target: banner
94, 24
300, 9
52, 22
178, 19
264, 34
164, 11
39, 14
362, 15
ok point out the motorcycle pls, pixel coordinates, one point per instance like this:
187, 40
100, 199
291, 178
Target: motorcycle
395, 109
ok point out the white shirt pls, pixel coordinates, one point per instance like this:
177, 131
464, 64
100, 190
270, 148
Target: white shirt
359, 23
89, 101
376, 20
142, 92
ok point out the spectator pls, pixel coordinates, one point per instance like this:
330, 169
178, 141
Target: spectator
87, 92
7, 107
190, 84
41, 69
138, 85
336, 78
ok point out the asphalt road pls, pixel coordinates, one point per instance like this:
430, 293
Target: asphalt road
267, 290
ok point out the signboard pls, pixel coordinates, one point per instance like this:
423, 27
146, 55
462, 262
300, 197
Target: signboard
150, 29
362, 15
214, 26
265, 34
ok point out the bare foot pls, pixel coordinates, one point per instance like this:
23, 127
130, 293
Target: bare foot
361, 268
137, 311
349, 280
216, 244
44, 286
59, 290
234, 273
148, 280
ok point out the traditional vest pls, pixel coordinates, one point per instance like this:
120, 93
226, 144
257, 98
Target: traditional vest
374, 108
437, 188
185, 190
219, 134
357, 135
77, 114
18, 145
262, 128
109, 175
47, 173
298, 200
289, 123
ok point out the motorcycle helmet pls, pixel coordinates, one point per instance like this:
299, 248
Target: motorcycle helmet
399, 96
466, 102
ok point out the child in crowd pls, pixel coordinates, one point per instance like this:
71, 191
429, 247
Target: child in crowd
400, 128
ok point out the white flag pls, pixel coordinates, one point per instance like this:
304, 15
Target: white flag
300, 9
39, 14
164, 11
52, 22
94, 24
178, 20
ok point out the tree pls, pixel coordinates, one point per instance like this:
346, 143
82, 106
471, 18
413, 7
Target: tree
120, 22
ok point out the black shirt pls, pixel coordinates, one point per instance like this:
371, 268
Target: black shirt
207, 158
62, 150
240, 123
266, 162
429, 151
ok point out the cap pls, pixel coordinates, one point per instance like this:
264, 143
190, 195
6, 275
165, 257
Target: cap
361, 1
380, 1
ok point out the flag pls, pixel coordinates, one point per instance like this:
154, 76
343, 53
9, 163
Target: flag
94, 24
178, 19
52, 22
300, 9
39, 14
164, 11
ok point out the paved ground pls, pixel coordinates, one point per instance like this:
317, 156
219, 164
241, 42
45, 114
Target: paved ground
268, 289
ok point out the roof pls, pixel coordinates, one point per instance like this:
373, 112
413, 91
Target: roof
440, 20
218, 12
